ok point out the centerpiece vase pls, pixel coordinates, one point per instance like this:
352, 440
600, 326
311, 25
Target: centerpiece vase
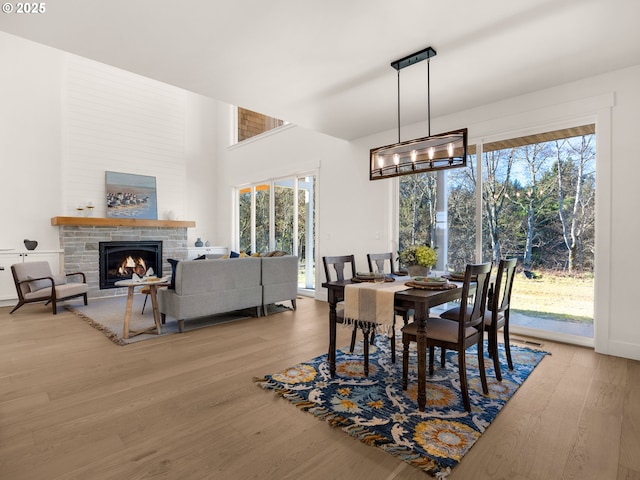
418, 271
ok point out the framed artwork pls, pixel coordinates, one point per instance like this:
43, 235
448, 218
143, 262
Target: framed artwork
131, 196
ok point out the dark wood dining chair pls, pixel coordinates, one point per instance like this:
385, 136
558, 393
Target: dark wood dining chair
497, 312
379, 262
338, 265
458, 335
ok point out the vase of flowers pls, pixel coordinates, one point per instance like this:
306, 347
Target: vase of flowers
418, 259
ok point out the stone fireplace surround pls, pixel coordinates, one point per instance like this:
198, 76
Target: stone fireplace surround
80, 238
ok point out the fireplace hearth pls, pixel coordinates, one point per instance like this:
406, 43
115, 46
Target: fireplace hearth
120, 260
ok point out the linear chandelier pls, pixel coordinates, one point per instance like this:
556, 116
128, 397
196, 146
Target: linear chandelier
427, 154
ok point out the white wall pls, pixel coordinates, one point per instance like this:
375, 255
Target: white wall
355, 215
65, 120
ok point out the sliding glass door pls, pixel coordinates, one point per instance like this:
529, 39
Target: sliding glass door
280, 215
531, 198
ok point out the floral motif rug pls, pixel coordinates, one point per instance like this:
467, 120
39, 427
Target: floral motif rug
378, 412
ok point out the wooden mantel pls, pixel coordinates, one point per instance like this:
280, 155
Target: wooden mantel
120, 222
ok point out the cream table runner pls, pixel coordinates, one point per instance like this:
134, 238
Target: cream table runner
372, 302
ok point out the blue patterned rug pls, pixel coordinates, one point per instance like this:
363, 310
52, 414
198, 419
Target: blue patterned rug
378, 412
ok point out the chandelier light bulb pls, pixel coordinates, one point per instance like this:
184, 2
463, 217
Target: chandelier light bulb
380, 161
396, 158
432, 151
450, 150
414, 155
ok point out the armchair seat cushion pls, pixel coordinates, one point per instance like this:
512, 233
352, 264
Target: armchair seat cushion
62, 291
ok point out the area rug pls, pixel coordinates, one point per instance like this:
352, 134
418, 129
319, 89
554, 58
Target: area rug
378, 412
107, 316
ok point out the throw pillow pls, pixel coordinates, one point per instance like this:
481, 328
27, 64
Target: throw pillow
35, 285
173, 263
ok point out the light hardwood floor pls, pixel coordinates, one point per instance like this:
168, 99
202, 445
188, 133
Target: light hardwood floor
73, 405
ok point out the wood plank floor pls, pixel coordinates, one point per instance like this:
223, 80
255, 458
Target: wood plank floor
73, 405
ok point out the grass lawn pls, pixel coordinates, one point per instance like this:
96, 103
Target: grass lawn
554, 295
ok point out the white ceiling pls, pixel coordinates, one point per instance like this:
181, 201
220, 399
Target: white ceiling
325, 65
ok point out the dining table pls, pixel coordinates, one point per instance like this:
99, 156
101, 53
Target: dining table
418, 299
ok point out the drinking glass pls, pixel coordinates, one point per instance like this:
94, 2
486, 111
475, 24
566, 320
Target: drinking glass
378, 276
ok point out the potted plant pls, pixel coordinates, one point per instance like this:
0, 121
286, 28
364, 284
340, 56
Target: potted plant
418, 259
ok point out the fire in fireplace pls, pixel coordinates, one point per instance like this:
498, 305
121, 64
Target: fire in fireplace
121, 260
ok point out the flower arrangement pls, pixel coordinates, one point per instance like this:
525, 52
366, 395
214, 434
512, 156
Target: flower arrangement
418, 255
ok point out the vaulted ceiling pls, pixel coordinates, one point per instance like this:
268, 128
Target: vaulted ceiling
325, 65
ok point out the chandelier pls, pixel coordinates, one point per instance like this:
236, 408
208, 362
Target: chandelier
427, 154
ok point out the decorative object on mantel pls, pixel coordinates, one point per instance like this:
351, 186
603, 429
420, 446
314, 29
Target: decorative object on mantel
418, 259
207, 243
131, 196
30, 244
427, 154
171, 215
199, 242
89, 209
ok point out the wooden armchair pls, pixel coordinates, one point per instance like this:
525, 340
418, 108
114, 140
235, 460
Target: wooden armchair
36, 283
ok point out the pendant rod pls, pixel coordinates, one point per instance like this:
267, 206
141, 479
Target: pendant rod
398, 106
428, 98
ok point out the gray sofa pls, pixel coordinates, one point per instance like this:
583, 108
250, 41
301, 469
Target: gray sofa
213, 286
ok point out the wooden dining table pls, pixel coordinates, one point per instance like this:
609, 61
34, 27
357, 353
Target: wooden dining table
417, 299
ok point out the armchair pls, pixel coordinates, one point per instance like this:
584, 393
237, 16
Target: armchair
36, 283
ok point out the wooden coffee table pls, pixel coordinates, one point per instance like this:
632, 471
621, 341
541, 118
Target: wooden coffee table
153, 284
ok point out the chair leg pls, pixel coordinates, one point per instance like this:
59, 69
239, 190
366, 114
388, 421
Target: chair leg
145, 303
20, 303
464, 387
443, 356
493, 352
432, 350
507, 344
353, 338
392, 339
366, 352
405, 360
85, 299
483, 374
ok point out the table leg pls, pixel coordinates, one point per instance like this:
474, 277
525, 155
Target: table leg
153, 289
332, 339
421, 314
127, 313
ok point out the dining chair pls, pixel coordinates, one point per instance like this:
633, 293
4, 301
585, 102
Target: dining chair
378, 262
458, 335
497, 312
338, 265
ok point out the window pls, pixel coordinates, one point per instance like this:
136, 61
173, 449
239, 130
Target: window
280, 215
537, 204
252, 123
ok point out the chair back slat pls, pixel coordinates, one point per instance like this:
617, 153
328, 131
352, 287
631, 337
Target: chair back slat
504, 284
474, 294
379, 259
339, 263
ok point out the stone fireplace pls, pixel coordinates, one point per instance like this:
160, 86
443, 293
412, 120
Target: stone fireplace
80, 239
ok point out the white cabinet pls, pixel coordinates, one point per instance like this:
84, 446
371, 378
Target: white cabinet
10, 257
195, 252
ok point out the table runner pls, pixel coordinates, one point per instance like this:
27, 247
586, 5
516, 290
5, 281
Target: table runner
372, 302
